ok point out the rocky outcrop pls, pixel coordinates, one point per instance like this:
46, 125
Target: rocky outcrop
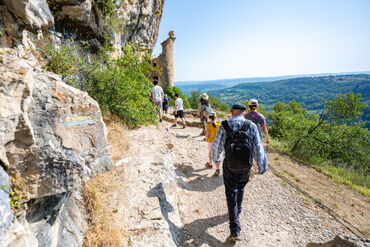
52, 136
52, 139
34, 13
87, 21
342, 241
6, 215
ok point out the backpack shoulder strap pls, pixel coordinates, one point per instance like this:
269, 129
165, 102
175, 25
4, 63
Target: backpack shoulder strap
226, 126
248, 116
259, 118
246, 125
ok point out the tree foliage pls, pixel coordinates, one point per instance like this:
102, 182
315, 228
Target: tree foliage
121, 86
216, 103
171, 91
307, 90
335, 134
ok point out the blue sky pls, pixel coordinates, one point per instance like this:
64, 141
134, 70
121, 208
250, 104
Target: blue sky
220, 39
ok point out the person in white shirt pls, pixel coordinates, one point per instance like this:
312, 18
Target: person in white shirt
179, 111
157, 98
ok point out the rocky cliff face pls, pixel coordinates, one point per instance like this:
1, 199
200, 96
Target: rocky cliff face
52, 136
87, 21
52, 139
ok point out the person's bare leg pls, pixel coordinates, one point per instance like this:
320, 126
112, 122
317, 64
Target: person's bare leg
160, 111
255, 165
210, 156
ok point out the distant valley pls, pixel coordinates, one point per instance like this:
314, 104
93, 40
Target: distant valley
188, 86
308, 90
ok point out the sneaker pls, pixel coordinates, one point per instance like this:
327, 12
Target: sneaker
173, 125
233, 237
160, 120
217, 173
252, 173
208, 165
184, 126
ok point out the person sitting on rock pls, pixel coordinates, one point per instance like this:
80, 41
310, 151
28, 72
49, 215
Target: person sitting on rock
211, 131
204, 108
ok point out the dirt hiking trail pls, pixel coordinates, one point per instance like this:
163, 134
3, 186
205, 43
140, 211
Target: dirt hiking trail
160, 193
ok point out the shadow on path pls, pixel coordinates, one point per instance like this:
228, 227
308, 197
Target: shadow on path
199, 182
194, 232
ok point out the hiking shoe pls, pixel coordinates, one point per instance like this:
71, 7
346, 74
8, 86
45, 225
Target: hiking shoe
160, 120
173, 125
233, 237
252, 173
217, 173
208, 165
184, 126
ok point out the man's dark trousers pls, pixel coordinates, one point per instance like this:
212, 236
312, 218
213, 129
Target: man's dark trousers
234, 189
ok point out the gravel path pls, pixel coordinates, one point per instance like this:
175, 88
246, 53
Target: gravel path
169, 198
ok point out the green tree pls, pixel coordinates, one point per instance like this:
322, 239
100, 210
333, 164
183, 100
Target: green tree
121, 86
335, 134
170, 91
194, 99
217, 104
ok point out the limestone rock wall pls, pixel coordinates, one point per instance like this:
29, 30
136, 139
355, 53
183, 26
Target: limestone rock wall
87, 21
52, 139
52, 136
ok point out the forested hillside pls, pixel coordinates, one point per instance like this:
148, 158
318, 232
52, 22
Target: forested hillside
307, 90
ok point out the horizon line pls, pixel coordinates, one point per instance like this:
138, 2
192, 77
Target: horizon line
296, 75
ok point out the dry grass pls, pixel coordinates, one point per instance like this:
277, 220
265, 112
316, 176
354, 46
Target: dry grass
117, 136
97, 202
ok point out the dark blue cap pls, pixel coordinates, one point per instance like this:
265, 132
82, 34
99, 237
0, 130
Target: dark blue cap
239, 106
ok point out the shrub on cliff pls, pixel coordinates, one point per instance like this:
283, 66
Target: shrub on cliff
121, 86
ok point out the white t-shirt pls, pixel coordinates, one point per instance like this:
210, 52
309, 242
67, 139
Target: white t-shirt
178, 102
157, 92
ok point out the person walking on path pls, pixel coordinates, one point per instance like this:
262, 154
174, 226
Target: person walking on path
211, 131
204, 108
166, 103
259, 120
157, 98
179, 111
240, 139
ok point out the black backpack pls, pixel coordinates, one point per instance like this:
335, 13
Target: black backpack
238, 148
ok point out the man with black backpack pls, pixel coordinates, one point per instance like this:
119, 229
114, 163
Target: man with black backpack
240, 139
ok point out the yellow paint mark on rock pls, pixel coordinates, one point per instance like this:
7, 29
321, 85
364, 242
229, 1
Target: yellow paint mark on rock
79, 118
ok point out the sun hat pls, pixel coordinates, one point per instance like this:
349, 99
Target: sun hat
204, 96
212, 114
253, 102
239, 106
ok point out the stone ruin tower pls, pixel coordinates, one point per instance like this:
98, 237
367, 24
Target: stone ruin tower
165, 63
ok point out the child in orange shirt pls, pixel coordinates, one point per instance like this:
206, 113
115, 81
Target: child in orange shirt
211, 131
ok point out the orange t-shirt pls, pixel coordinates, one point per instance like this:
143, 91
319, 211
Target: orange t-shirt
212, 131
